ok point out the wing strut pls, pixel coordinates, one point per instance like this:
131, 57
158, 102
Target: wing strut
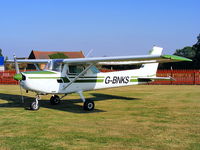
80, 74
36, 66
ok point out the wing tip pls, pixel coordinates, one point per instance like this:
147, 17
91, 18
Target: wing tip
176, 58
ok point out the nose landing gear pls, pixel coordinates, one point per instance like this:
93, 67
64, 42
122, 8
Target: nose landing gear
35, 104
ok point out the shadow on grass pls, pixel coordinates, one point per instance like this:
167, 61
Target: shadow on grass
69, 105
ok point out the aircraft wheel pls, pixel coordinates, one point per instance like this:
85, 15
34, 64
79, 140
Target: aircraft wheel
88, 105
54, 100
34, 106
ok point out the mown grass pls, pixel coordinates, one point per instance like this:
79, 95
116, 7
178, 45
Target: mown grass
135, 117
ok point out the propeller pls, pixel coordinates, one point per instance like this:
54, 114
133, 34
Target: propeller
18, 76
16, 65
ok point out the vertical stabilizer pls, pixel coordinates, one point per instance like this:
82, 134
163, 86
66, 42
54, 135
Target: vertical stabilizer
151, 68
156, 51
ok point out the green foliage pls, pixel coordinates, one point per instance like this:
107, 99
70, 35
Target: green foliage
187, 52
58, 56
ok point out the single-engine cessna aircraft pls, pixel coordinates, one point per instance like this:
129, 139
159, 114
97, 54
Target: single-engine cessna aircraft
65, 76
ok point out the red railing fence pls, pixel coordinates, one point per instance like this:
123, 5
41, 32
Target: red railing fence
6, 77
187, 77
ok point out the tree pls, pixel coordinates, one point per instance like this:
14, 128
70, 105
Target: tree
188, 52
196, 48
58, 56
192, 53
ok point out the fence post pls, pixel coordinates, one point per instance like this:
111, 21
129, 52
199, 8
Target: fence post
171, 75
194, 78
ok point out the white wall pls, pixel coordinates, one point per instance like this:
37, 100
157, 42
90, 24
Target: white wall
2, 68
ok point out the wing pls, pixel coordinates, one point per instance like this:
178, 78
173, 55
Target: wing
33, 61
118, 60
141, 59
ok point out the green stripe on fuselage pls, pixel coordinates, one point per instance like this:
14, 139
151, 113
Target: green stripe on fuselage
66, 80
84, 81
39, 72
93, 77
134, 80
44, 77
143, 76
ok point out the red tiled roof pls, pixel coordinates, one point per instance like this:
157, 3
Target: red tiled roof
45, 54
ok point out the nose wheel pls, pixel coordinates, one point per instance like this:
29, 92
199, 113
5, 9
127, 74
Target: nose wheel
35, 105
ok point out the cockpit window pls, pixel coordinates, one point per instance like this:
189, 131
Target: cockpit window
75, 69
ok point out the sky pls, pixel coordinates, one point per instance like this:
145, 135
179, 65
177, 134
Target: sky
108, 27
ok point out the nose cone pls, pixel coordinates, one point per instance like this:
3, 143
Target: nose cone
18, 77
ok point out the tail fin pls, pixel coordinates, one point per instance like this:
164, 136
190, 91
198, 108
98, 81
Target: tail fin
151, 68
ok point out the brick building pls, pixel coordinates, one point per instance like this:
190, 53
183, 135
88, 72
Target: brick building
45, 55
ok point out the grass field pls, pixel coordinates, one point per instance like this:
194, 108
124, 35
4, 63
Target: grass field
135, 117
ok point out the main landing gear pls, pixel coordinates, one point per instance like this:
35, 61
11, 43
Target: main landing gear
87, 104
35, 104
55, 99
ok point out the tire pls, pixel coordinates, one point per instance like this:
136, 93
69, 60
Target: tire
34, 106
88, 105
54, 100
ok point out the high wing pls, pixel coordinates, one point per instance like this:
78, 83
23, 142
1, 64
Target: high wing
37, 61
117, 60
127, 59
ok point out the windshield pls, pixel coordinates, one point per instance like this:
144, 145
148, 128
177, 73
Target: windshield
57, 65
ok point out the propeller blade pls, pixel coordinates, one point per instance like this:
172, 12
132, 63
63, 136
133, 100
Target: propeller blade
16, 65
18, 72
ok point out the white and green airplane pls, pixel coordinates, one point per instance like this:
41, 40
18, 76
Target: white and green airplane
65, 76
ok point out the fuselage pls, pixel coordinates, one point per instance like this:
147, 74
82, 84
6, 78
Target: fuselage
52, 82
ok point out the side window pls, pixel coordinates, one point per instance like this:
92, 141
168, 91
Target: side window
75, 69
